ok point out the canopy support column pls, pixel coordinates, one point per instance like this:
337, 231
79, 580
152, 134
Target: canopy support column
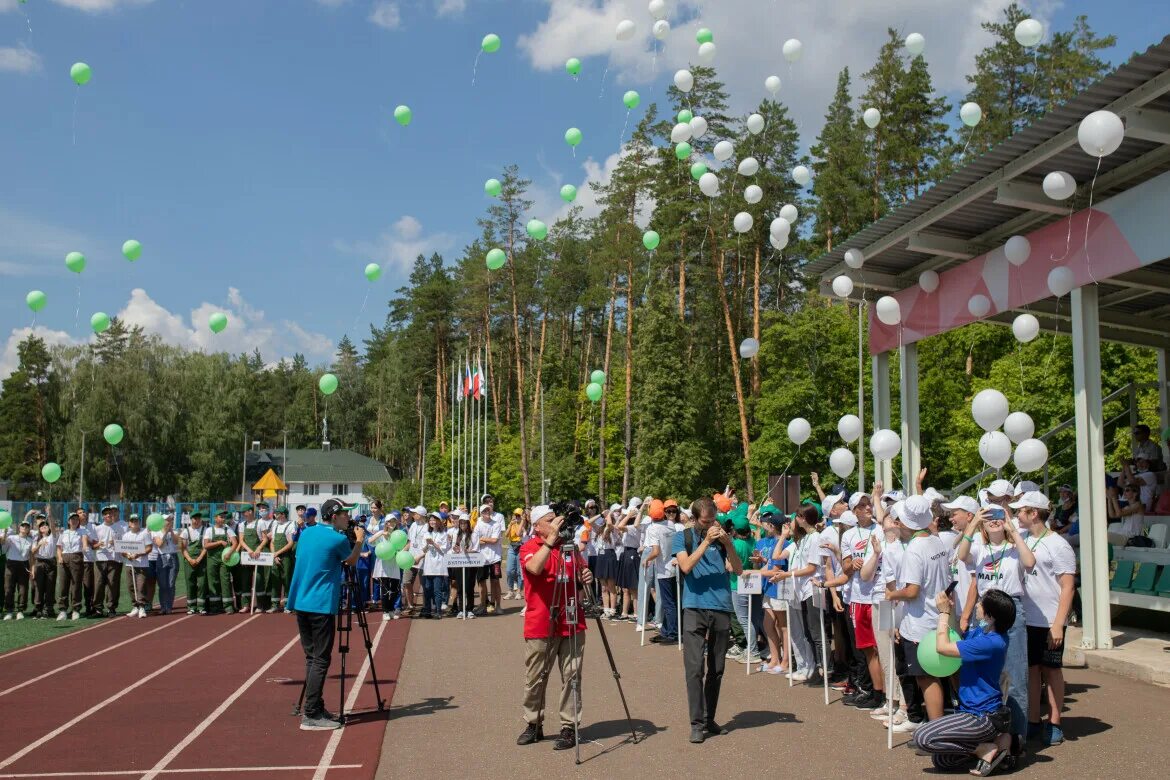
1163, 402
911, 433
882, 470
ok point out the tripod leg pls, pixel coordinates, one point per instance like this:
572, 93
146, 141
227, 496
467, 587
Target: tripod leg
617, 678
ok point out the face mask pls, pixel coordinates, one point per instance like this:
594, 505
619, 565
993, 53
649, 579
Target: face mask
263, 513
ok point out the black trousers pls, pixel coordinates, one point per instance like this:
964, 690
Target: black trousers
15, 586
109, 584
316, 631
87, 586
72, 568
390, 587
45, 580
706, 633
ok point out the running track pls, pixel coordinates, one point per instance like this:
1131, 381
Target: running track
188, 696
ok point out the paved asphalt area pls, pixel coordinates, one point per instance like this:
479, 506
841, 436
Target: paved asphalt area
458, 698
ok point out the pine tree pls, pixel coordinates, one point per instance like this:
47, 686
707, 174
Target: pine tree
922, 148
841, 185
27, 401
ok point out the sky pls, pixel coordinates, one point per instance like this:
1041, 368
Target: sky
251, 146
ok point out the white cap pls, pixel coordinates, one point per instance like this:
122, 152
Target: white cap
831, 501
540, 512
896, 509
635, 502
1033, 499
684, 511
932, 495
982, 497
419, 510
436, 515
847, 519
1000, 488
615, 507
893, 495
916, 513
484, 508
1026, 486
855, 499
966, 503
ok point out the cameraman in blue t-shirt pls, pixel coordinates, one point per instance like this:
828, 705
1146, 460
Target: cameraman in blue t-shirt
314, 595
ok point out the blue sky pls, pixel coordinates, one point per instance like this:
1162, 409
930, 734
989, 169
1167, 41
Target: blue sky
250, 145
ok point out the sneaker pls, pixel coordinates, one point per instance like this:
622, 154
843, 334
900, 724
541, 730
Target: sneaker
839, 685
397, 614
287, 612
815, 679
868, 701
881, 712
714, 728
202, 612
61, 616
142, 612
8, 616
522, 610
191, 612
905, 727
533, 733
385, 616
1053, 735
566, 740
698, 734
491, 610
471, 615
76, 615
750, 658
20, 616
798, 676
319, 723
734, 653
272, 610
1035, 731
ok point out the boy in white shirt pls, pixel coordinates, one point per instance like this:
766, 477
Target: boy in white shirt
138, 564
71, 546
486, 539
108, 564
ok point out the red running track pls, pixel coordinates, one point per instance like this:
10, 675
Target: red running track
182, 696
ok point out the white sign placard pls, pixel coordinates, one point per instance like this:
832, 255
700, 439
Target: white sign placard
751, 583
819, 599
263, 559
131, 546
786, 589
456, 560
885, 616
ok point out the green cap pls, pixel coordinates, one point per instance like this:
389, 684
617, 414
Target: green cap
246, 508
262, 505
196, 514
282, 510
813, 504
223, 513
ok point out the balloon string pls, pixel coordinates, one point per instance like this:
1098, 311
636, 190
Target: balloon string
603, 77
75, 94
1088, 217
622, 137
475, 67
360, 311
77, 309
1055, 335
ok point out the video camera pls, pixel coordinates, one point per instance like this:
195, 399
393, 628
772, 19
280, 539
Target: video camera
571, 512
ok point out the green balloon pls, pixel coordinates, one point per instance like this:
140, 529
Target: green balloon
327, 384
537, 229
934, 664
75, 262
685, 117
573, 66
631, 99
5, 519
132, 250
384, 550
572, 136
493, 187
373, 272
113, 434
36, 300
80, 73
398, 538
491, 43
217, 322
568, 193
403, 115
51, 472
650, 240
594, 391
682, 151
155, 522
704, 35
597, 377
100, 322
697, 170
496, 259
231, 557
404, 559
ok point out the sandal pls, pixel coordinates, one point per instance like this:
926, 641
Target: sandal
983, 768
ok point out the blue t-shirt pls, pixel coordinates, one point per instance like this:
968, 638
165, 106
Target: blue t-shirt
707, 586
316, 580
764, 547
983, 655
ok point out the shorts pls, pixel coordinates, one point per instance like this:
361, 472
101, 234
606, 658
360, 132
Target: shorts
489, 571
863, 636
777, 605
1039, 653
910, 656
410, 575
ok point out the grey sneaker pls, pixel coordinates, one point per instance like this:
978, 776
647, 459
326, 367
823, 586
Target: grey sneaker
319, 723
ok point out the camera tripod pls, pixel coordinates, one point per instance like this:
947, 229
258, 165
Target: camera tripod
351, 604
565, 602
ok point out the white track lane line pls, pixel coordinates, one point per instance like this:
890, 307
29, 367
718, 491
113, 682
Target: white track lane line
71, 634
88, 659
335, 737
220, 710
199, 771
136, 684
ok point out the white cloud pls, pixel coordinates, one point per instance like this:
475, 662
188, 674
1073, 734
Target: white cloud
97, 6
395, 249
408, 227
19, 59
10, 358
548, 205
332, 3
450, 7
24, 239
386, 15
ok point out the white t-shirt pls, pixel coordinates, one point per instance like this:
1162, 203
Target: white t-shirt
48, 547
434, 562
856, 544
106, 535
926, 563
417, 534
141, 535
69, 541
997, 566
17, 548
222, 534
892, 552
89, 556
601, 538
1130, 525
961, 574
489, 529
164, 544
631, 536
804, 552
661, 534
830, 562
1054, 557
1148, 482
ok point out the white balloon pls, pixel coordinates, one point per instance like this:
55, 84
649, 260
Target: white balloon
885, 444
661, 29
1100, 133
657, 9
842, 462
1031, 455
698, 127
801, 175
707, 53
1025, 328
1017, 249
626, 29
724, 150
753, 194
872, 117
709, 184
778, 242
680, 132
772, 84
928, 281
1060, 185
684, 81
792, 49
799, 430
748, 166
979, 306
889, 311
749, 348
915, 43
854, 258
755, 124
780, 227
842, 286
849, 426
789, 212
970, 113
743, 222
1061, 281
1029, 32
995, 448
989, 408
1019, 426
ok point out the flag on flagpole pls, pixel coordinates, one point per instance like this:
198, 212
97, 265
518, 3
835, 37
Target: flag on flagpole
480, 383
459, 382
467, 379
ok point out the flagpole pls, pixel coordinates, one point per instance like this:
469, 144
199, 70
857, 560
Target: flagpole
459, 425
485, 428
451, 452
474, 435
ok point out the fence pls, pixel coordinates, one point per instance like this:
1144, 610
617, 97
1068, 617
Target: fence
59, 510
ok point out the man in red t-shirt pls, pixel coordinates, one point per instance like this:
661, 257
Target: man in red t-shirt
543, 563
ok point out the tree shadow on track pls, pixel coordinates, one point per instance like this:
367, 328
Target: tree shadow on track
427, 706
755, 718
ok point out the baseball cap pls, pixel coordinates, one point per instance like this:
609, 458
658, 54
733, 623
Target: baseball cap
831, 501
916, 513
110, 508
893, 496
1001, 488
517, 512
615, 507
847, 519
855, 499
262, 505
1026, 486
591, 502
1033, 499
332, 506
669, 503
437, 515
196, 514
282, 510
133, 516
222, 513
932, 495
418, 510
540, 512
1065, 489
486, 497
247, 508
311, 512
966, 503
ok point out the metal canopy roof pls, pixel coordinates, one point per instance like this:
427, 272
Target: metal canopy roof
998, 195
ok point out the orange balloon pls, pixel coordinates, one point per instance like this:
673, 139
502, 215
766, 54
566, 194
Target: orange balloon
656, 511
722, 502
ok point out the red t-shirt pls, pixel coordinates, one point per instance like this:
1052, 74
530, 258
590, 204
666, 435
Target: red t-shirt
538, 591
